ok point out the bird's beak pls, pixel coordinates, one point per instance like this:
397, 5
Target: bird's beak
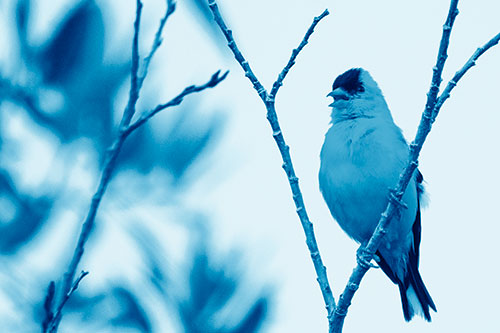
338, 94
330, 94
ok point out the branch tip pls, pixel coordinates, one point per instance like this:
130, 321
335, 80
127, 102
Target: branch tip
68, 284
295, 52
215, 79
269, 102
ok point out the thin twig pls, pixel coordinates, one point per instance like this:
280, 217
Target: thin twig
111, 157
461, 72
57, 315
269, 102
279, 81
156, 43
134, 87
47, 306
214, 80
441, 59
237, 53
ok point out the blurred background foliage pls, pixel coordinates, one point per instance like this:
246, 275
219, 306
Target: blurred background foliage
58, 114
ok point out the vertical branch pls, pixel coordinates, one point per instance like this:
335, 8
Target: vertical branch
111, 156
404, 178
300, 208
109, 165
269, 101
156, 43
125, 129
431, 110
57, 315
134, 91
87, 227
441, 59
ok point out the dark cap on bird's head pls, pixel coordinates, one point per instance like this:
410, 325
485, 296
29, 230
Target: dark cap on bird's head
350, 81
355, 93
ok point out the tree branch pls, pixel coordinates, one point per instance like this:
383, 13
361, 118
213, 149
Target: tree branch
272, 117
56, 317
428, 116
68, 286
461, 72
47, 306
214, 80
279, 81
237, 53
156, 43
134, 87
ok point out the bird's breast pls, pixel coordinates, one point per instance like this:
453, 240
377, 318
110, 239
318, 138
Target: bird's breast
360, 161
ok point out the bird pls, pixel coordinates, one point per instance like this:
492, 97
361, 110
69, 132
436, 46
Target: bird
362, 157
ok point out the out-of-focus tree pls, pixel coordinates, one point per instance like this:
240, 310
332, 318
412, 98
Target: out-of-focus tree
62, 93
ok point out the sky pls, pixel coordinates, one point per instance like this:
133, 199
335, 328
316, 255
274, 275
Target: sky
246, 192
397, 42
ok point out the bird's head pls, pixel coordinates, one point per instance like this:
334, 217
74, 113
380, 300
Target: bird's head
355, 94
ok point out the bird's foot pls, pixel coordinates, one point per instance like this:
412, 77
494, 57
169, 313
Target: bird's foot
363, 257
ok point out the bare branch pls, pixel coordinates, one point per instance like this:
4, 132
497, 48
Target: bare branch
134, 88
279, 81
68, 286
461, 72
405, 176
47, 306
214, 80
441, 59
272, 117
89, 222
111, 157
57, 315
156, 43
237, 53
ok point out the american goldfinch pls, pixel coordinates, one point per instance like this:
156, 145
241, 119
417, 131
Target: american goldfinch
361, 159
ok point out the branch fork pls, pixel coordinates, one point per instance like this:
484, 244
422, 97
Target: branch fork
269, 101
69, 285
337, 313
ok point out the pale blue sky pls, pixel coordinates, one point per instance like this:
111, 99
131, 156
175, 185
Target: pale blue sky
397, 42
246, 191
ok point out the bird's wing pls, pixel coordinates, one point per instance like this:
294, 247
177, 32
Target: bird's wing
417, 226
416, 230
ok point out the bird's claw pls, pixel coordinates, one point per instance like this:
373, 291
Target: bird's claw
363, 258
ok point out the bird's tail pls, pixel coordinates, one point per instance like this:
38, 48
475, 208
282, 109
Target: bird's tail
414, 296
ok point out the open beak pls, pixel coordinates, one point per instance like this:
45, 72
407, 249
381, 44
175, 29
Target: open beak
338, 94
